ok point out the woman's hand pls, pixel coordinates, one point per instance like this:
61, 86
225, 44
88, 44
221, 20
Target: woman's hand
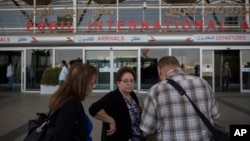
112, 128
103, 116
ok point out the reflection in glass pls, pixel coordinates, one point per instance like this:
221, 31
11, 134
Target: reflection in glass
67, 55
188, 58
246, 70
207, 66
100, 60
36, 62
125, 58
5, 58
149, 58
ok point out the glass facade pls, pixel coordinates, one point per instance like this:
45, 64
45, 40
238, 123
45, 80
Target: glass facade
131, 15
125, 58
36, 62
67, 55
131, 33
245, 67
109, 61
101, 60
149, 59
207, 66
5, 58
189, 59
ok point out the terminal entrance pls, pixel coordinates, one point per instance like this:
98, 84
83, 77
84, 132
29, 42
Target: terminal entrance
5, 58
233, 58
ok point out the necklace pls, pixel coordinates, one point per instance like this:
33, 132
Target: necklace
126, 97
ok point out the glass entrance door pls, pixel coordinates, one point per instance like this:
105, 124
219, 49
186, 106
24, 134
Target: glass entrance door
108, 62
5, 58
36, 62
189, 59
126, 58
207, 66
245, 71
101, 60
233, 59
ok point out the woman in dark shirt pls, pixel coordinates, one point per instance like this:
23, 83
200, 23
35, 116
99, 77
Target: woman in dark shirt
71, 122
119, 110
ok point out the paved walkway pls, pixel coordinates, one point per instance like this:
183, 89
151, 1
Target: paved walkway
17, 108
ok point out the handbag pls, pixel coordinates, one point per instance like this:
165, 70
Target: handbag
217, 134
41, 128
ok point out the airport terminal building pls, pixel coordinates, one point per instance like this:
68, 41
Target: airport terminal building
109, 34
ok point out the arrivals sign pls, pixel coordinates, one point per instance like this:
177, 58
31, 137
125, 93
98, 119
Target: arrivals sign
110, 38
15, 39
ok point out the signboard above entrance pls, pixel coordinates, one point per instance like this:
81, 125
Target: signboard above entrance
110, 38
221, 38
125, 38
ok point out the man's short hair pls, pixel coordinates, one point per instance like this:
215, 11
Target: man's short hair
168, 60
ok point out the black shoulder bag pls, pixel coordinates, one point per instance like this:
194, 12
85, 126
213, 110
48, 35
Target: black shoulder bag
217, 134
41, 128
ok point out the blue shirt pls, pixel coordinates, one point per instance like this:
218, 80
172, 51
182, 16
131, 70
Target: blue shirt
90, 127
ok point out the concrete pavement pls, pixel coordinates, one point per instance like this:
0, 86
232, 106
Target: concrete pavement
17, 108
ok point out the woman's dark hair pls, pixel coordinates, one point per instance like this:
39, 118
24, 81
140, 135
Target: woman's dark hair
122, 71
75, 84
64, 63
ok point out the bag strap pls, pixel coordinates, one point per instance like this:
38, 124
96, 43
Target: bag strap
201, 115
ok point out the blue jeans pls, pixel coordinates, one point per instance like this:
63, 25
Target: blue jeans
10, 82
225, 82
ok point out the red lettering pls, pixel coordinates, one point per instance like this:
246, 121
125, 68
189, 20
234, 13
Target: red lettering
230, 37
221, 25
211, 24
244, 25
188, 23
110, 38
52, 26
132, 24
69, 26
98, 25
176, 25
5, 39
167, 23
41, 26
62, 25
29, 26
120, 24
198, 24
157, 25
110, 23
89, 25
144, 25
